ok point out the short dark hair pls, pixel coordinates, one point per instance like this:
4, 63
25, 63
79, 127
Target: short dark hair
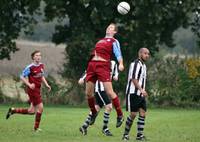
33, 54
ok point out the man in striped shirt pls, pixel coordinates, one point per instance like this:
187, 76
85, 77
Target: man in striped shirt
136, 93
102, 99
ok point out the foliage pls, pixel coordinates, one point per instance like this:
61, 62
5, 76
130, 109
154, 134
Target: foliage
148, 24
62, 92
15, 15
170, 85
193, 65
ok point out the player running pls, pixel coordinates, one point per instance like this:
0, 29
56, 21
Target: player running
33, 76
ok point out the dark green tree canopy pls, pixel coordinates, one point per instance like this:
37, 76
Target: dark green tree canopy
150, 23
15, 15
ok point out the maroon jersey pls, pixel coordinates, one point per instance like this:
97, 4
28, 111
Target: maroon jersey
104, 48
34, 73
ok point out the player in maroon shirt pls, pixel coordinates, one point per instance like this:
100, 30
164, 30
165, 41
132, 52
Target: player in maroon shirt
33, 76
99, 69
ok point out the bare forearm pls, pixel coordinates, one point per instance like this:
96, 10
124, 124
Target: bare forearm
121, 64
120, 61
135, 82
45, 81
25, 81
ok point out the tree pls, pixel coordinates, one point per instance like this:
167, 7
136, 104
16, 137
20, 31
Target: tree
149, 24
15, 16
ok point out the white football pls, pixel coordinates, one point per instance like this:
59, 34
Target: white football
123, 8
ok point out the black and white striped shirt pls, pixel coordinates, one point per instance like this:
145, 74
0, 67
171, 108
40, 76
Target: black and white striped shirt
99, 85
137, 70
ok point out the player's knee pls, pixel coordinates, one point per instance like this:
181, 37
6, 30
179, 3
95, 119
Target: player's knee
40, 110
143, 114
133, 115
31, 111
89, 94
111, 93
109, 108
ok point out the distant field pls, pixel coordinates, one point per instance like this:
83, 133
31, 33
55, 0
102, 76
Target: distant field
60, 124
52, 56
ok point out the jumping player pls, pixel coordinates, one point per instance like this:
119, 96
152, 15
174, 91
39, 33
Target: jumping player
33, 76
99, 69
101, 100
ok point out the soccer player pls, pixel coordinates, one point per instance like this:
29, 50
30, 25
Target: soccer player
33, 76
101, 100
136, 93
99, 69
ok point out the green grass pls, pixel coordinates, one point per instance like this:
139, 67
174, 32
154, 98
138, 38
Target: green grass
60, 124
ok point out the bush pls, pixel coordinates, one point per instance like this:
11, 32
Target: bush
170, 84
62, 92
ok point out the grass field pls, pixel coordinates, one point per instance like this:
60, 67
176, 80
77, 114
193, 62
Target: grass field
60, 124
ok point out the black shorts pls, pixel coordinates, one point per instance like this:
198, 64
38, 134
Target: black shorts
102, 98
134, 102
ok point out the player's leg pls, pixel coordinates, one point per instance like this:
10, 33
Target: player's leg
13, 110
38, 115
115, 101
141, 121
102, 99
87, 122
91, 99
128, 125
83, 128
132, 106
90, 81
106, 116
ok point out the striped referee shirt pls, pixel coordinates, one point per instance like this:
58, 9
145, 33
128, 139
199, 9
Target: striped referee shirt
137, 70
99, 85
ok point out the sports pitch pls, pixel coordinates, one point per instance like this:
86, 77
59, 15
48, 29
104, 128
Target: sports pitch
61, 124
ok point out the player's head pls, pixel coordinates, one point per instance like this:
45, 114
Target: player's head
36, 56
111, 30
143, 54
